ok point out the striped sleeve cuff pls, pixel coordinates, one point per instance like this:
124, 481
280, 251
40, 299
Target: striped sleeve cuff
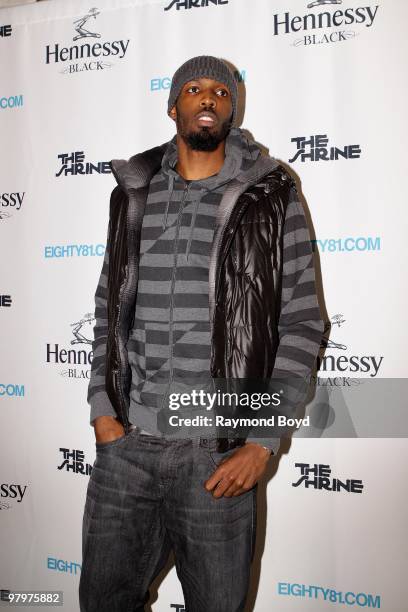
101, 406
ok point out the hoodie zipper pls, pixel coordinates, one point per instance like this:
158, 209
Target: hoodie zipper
173, 282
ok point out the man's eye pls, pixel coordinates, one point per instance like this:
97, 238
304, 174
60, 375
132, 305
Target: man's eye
222, 92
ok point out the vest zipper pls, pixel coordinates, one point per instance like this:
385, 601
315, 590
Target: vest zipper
118, 370
218, 267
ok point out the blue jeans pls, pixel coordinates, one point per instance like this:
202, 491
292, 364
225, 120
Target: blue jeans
145, 497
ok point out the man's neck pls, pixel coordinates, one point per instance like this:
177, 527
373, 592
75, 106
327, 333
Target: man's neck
195, 165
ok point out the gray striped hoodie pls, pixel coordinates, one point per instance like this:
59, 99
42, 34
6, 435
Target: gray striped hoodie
169, 343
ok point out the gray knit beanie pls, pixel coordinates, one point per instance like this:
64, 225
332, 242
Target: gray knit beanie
200, 67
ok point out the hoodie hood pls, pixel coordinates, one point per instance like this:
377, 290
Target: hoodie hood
241, 156
244, 165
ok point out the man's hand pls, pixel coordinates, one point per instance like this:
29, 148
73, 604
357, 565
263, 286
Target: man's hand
107, 429
240, 472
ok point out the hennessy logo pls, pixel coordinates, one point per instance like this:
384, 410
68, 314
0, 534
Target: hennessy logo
319, 2
326, 342
336, 25
79, 331
79, 25
369, 364
88, 55
79, 359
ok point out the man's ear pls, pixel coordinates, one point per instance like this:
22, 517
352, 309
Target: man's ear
173, 113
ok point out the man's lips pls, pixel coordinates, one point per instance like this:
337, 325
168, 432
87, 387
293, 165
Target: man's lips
206, 118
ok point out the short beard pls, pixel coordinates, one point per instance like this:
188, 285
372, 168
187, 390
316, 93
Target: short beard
204, 139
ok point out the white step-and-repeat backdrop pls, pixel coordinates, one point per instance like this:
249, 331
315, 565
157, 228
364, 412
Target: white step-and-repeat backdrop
325, 88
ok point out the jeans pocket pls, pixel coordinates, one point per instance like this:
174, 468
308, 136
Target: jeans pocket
116, 441
217, 458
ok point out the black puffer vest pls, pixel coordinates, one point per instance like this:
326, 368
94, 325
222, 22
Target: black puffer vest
244, 276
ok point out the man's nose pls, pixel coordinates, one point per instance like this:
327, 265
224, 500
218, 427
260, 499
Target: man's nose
208, 99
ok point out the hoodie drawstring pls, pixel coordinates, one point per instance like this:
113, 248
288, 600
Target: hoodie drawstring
170, 192
193, 220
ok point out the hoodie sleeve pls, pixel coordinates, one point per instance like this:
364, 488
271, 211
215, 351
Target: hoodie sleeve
300, 325
97, 397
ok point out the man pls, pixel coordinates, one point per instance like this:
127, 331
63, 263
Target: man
208, 274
